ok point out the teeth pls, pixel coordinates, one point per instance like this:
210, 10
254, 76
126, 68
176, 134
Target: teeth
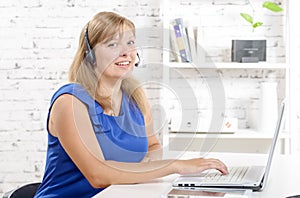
123, 63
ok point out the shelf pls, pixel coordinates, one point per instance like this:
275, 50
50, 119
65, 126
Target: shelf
242, 134
229, 65
244, 141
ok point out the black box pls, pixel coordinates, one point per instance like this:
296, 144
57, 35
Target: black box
247, 51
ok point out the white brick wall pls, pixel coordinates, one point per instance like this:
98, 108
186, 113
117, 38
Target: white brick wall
39, 38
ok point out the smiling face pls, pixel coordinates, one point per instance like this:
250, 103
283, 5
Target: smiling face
116, 56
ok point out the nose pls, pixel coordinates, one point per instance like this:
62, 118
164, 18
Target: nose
123, 54
124, 51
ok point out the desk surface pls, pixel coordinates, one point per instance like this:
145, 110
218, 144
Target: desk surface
284, 178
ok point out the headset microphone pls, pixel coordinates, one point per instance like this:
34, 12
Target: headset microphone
139, 60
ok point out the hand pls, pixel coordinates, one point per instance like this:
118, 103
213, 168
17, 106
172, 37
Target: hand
198, 165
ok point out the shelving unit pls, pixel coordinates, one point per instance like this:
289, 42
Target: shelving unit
260, 65
244, 140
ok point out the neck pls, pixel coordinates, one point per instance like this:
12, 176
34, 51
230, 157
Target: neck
113, 91
109, 88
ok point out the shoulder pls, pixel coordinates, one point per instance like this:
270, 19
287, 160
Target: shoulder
62, 113
75, 90
70, 88
65, 104
66, 98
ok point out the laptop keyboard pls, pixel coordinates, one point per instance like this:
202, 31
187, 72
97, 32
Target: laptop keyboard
235, 174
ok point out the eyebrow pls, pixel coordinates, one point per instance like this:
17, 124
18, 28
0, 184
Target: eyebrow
132, 36
117, 38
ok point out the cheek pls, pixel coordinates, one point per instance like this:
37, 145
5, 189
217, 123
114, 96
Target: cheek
104, 60
133, 54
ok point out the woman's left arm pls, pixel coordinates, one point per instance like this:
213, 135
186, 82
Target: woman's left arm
155, 148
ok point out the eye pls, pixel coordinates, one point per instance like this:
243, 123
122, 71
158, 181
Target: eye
132, 42
112, 45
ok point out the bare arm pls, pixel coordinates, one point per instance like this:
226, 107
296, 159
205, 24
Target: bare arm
155, 149
69, 121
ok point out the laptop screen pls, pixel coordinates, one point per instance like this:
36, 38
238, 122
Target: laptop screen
272, 149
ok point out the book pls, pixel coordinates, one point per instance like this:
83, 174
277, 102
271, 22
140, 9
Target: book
180, 43
192, 43
174, 51
202, 192
181, 40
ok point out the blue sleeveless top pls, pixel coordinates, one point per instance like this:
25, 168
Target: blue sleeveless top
121, 138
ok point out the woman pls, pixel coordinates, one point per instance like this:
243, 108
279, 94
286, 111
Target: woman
99, 126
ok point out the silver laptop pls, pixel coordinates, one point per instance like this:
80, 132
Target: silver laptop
252, 177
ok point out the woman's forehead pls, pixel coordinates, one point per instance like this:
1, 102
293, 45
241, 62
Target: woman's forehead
123, 32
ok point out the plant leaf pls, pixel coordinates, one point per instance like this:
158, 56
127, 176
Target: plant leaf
257, 24
272, 6
247, 17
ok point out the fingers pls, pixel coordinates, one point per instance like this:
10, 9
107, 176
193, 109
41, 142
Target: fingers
216, 164
210, 163
200, 164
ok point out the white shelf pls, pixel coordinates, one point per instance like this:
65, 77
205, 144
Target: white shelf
241, 134
229, 65
245, 141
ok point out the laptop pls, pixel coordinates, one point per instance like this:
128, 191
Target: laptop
252, 177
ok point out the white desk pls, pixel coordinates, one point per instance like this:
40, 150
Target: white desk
284, 178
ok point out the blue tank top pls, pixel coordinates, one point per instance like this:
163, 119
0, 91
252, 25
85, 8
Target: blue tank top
121, 138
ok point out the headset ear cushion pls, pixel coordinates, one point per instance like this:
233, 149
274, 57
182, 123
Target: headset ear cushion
90, 57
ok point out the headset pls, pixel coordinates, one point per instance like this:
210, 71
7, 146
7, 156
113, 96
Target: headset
89, 54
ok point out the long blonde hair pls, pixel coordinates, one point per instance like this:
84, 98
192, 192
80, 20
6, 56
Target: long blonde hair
103, 26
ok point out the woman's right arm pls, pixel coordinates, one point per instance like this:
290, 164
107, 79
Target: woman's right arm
70, 122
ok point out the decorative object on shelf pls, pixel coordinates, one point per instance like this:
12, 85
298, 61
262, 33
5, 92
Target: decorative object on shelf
268, 107
268, 5
248, 51
230, 125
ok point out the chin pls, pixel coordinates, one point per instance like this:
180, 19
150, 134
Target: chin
124, 75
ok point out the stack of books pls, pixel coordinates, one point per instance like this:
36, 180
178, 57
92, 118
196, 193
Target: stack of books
184, 42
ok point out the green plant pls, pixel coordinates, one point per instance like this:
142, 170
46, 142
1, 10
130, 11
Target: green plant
268, 5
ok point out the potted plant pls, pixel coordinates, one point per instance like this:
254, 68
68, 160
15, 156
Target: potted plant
268, 5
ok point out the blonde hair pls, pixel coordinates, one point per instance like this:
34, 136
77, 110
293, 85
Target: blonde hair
101, 28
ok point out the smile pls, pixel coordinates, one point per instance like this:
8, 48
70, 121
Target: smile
123, 64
